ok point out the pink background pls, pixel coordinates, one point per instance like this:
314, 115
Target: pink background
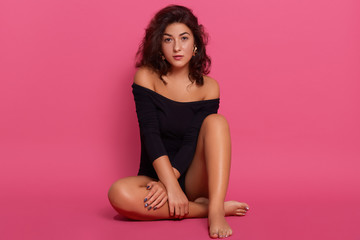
289, 73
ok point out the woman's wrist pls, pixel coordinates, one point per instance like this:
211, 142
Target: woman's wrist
176, 172
165, 172
171, 183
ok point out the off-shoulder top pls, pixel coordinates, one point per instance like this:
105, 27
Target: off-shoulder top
168, 127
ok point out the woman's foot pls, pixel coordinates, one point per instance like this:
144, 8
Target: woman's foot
232, 208
218, 227
235, 208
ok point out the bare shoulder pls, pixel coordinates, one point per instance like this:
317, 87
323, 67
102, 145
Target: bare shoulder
145, 77
212, 88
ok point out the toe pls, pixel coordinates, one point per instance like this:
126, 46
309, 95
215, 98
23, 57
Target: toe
243, 206
214, 234
222, 233
229, 232
246, 206
240, 214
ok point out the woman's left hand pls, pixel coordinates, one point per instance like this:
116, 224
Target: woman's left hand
157, 195
178, 202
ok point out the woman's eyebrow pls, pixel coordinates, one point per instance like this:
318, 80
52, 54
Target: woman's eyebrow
181, 34
184, 33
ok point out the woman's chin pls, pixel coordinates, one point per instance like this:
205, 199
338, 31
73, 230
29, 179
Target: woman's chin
179, 65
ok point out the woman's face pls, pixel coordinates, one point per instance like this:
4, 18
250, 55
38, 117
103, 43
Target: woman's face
178, 45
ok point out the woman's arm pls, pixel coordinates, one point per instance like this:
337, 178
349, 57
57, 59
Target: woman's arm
178, 202
150, 133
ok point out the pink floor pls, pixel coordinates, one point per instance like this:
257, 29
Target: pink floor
282, 207
90, 217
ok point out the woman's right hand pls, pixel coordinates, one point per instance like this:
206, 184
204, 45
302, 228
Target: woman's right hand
157, 195
178, 202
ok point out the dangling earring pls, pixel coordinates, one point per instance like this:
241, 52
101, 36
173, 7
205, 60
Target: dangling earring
194, 51
162, 56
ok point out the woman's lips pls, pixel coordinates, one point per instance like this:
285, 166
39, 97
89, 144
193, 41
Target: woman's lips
178, 57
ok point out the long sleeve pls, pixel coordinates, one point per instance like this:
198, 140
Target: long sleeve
185, 155
149, 124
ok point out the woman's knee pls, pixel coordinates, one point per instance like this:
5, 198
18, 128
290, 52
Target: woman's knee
215, 121
119, 194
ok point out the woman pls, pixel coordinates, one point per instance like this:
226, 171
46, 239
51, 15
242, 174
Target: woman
185, 145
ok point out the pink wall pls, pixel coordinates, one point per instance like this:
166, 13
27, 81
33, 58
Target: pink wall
289, 75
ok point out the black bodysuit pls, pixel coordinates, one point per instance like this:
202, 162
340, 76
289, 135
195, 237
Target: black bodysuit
168, 127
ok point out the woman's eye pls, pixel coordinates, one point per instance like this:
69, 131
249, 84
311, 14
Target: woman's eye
167, 40
184, 38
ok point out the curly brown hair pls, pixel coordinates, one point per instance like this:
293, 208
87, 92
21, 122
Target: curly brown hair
149, 53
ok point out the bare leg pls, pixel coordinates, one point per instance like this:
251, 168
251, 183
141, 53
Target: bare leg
127, 197
208, 175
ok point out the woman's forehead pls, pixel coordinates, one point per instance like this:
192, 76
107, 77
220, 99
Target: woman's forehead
176, 29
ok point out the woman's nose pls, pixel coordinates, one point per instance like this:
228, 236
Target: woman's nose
176, 46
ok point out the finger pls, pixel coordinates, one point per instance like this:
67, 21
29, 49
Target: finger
158, 199
162, 202
171, 210
182, 212
187, 208
150, 185
154, 198
177, 211
148, 196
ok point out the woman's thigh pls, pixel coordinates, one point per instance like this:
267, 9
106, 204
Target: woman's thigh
125, 190
127, 195
196, 179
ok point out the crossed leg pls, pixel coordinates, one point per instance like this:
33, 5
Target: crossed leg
206, 183
127, 197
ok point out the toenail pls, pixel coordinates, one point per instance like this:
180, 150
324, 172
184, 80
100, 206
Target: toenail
145, 199
149, 208
146, 204
147, 187
154, 208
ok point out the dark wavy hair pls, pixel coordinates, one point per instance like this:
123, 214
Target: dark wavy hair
149, 53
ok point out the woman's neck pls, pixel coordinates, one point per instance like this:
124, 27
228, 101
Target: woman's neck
179, 74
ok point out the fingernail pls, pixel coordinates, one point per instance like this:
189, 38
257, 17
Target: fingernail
155, 208
146, 204
147, 187
145, 199
149, 208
